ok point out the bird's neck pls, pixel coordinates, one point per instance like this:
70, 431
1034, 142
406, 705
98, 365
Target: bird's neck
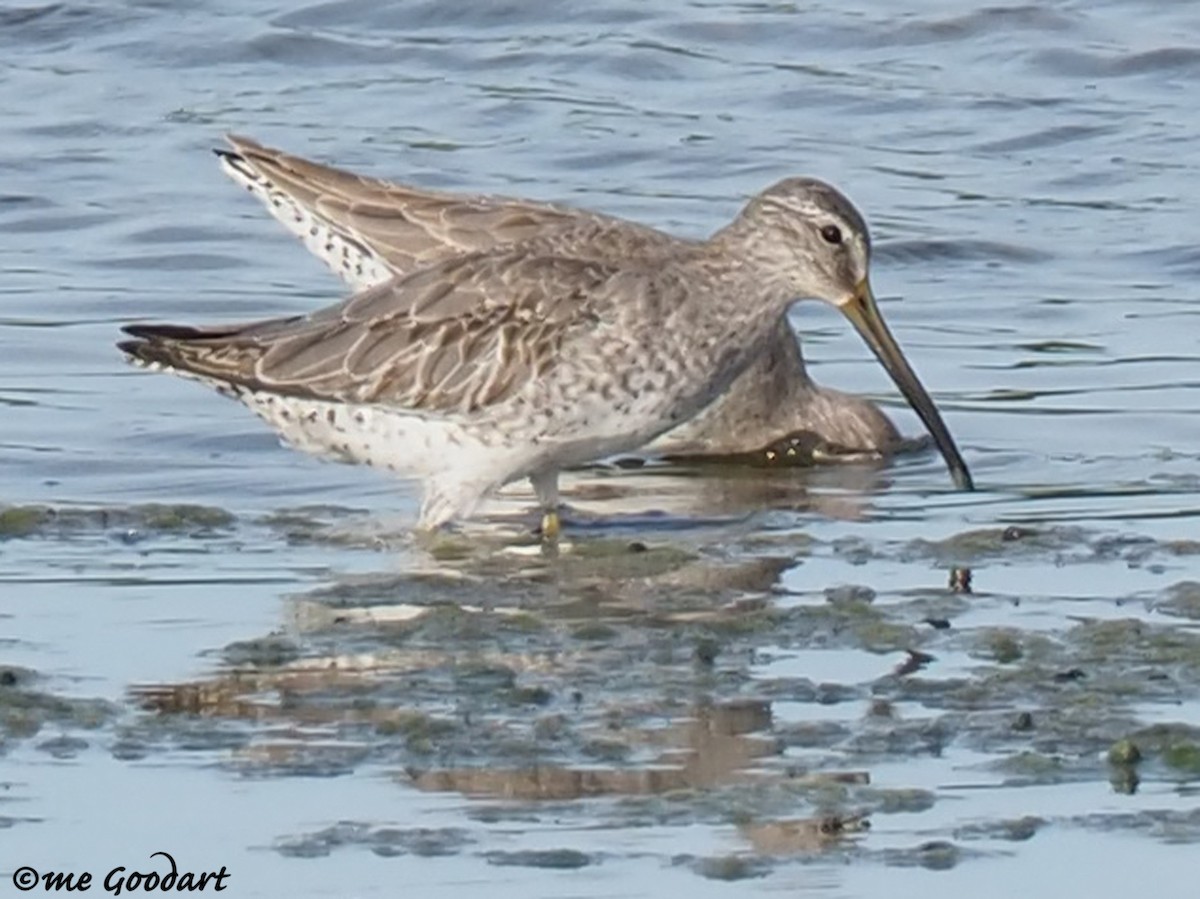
749, 255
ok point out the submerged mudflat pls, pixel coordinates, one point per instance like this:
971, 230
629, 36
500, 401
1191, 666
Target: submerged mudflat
722, 700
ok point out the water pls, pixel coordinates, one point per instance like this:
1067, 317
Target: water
1030, 174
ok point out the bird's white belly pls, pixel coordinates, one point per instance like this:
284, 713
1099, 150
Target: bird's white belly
592, 428
396, 440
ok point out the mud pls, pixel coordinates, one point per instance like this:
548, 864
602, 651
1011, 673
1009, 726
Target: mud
649, 679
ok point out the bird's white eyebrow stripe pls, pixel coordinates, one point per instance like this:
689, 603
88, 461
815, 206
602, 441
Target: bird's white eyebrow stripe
809, 211
805, 208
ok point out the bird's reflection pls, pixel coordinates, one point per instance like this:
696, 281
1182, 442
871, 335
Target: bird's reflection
505, 676
700, 490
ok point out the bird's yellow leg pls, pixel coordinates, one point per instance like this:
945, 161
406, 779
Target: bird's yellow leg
551, 526
545, 485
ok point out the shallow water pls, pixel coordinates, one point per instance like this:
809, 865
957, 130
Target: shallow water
281, 681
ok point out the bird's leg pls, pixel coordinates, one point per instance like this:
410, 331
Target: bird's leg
545, 485
448, 497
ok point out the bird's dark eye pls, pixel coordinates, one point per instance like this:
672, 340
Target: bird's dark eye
832, 234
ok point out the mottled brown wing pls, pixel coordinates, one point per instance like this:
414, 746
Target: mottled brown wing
459, 336
407, 227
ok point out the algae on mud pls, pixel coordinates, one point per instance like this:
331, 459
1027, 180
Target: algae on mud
659, 676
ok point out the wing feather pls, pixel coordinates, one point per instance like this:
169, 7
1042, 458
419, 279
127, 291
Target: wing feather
408, 227
462, 335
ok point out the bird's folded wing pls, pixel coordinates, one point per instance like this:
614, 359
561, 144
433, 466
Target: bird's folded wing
456, 337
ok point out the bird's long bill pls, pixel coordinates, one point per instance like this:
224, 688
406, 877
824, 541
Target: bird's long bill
864, 315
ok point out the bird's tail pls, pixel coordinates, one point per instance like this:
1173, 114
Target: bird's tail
212, 354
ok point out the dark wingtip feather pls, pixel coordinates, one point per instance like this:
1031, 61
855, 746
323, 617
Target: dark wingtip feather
130, 347
146, 352
169, 332
162, 344
240, 149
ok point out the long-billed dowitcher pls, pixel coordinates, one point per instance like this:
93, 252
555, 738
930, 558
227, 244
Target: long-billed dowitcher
528, 355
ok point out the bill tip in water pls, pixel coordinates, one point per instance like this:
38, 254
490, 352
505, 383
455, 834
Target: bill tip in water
962, 478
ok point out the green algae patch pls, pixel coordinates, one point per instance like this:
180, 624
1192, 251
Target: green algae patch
853, 621
386, 842
991, 544
499, 555
1001, 645
536, 695
1018, 829
881, 636
308, 524
422, 732
449, 547
156, 517
478, 675
1124, 752
1177, 745
23, 521
607, 751
1136, 644
552, 859
849, 595
935, 855
524, 622
1035, 766
1184, 758
263, 652
1013, 830
898, 800
1183, 600
595, 632
25, 711
730, 867
719, 629
622, 559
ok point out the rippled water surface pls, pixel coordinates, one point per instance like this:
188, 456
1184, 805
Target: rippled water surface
234, 653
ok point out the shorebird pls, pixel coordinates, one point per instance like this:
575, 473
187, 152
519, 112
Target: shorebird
492, 340
368, 230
